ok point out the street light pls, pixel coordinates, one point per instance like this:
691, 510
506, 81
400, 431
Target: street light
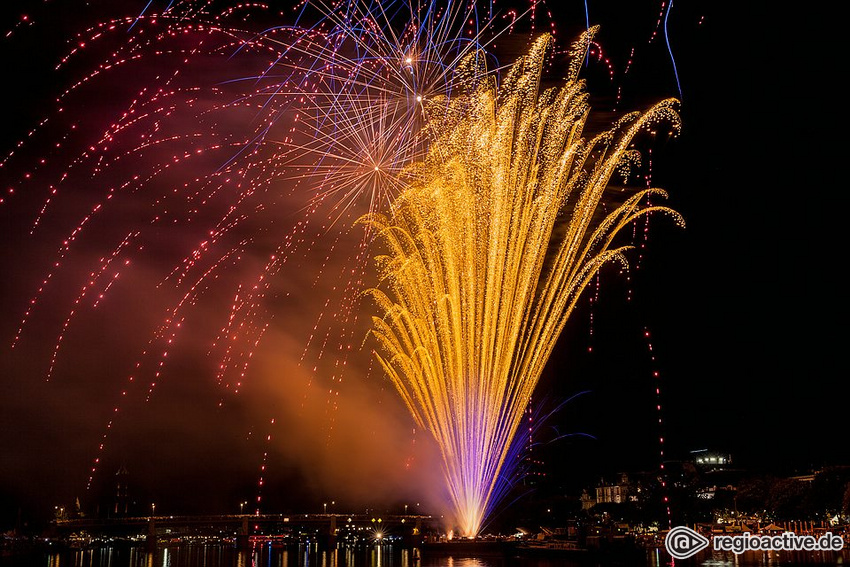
242, 507
325, 508
153, 509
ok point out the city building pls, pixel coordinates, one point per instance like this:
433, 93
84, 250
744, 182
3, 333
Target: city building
122, 501
616, 493
708, 459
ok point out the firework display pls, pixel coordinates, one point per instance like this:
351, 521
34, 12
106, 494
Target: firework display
488, 249
200, 157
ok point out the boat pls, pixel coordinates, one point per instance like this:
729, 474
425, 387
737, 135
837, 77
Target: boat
551, 548
468, 547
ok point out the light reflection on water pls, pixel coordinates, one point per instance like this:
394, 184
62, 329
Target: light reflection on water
217, 555
768, 559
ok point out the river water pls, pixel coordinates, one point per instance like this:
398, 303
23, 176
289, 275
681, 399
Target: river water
219, 555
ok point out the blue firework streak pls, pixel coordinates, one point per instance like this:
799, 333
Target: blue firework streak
670, 49
518, 462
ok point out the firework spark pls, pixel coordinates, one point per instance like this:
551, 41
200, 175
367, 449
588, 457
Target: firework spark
489, 247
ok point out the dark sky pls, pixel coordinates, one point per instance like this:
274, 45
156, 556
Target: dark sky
735, 308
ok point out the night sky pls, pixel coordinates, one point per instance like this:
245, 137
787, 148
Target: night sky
734, 305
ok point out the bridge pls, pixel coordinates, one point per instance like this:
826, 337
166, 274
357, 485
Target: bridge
325, 528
